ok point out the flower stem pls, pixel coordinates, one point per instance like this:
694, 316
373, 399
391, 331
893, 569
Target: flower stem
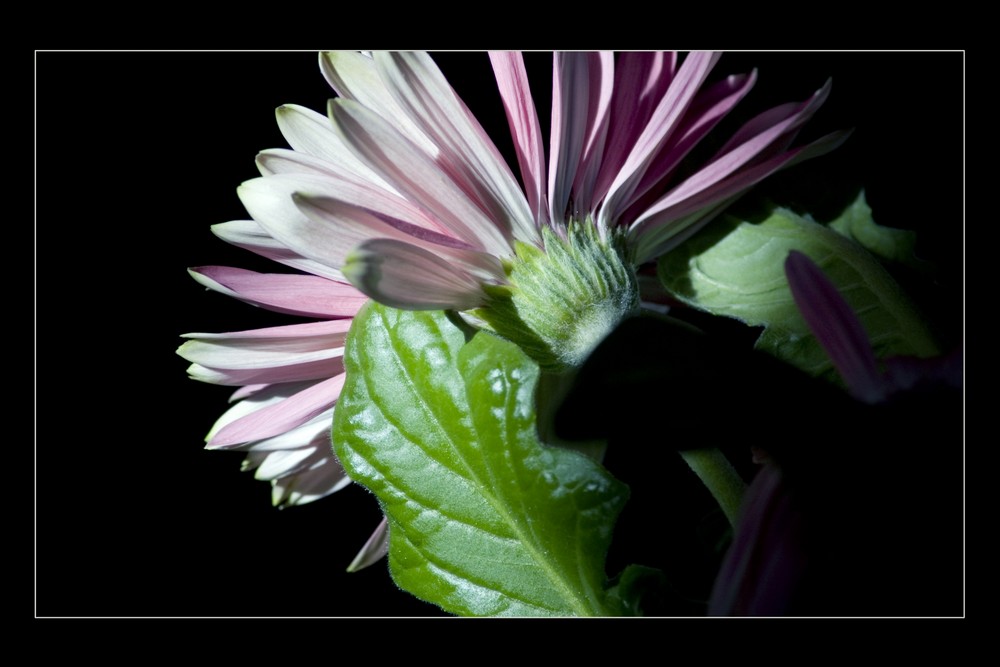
721, 478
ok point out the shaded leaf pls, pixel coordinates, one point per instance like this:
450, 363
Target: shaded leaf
736, 269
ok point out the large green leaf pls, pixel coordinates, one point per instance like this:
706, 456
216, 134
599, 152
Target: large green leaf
483, 519
736, 269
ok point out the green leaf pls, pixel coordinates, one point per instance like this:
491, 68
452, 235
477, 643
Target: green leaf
896, 245
736, 269
483, 519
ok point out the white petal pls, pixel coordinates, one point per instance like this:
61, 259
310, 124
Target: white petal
354, 76
312, 133
251, 236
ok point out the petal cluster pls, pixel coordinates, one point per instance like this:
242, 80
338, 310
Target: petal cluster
288, 377
401, 190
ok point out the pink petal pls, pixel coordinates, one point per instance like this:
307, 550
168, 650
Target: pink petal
374, 549
289, 372
512, 80
641, 79
707, 110
309, 296
282, 416
658, 225
580, 94
310, 434
323, 478
662, 124
280, 354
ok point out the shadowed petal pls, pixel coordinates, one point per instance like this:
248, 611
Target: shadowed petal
356, 225
581, 94
835, 326
251, 236
403, 275
660, 227
662, 124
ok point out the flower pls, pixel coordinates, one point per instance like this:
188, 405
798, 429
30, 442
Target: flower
401, 190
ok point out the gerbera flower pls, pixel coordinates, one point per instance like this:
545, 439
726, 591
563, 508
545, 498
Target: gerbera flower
400, 191
400, 188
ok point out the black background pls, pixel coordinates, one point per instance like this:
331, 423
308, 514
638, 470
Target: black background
138, 153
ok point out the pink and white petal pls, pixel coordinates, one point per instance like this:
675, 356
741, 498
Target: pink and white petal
649, 242
358, 225
313, 432
570, 95
601, 86
522, 117
708, 109
355, 77
418, 176
275, 161
249, 235
662, 124
291, 172
285, 462
467, 153
718, 182
402, 275
298, 352
264, 397
641, 79
322, 477
277, 418
285, 331
309, 296
374, 549
311, 133
798, 112
270, 202
289, 373
259, 348
247, 391
833, 322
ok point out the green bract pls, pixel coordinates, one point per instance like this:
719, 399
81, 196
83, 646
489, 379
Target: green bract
736, 268
483, 519
562, 301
